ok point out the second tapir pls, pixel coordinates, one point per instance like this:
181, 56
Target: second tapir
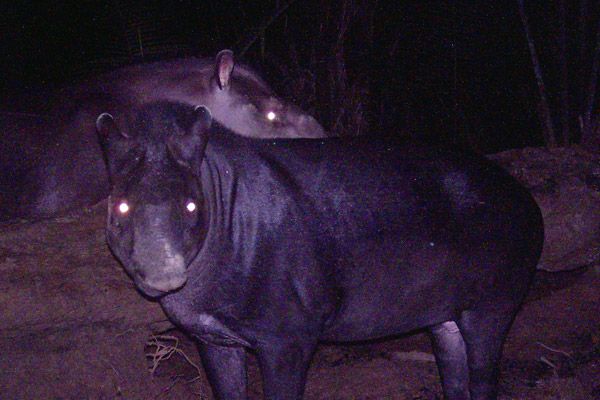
50, 162
275, 245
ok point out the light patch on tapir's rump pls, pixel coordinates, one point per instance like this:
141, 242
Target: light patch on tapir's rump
461, 193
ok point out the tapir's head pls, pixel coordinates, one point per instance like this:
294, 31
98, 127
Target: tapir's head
241, 101
156, 212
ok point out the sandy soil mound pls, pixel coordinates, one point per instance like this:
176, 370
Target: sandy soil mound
565, 182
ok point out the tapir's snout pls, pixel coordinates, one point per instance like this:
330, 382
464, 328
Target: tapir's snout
306, 126
168, 283
158, 286
158, 267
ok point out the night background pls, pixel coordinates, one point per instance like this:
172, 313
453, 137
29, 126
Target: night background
460, 71
516, 81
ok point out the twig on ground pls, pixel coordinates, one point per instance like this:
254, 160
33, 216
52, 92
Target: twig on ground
124, 332
554, 350
413, 356
119, 377
550, 364
166, 346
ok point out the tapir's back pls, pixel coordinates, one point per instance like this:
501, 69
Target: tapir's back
438, 227
390, 185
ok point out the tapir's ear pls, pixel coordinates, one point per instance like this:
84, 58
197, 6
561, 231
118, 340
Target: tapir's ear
203, 120
107, 128
105, 124
223, 68
188, 149
114, 143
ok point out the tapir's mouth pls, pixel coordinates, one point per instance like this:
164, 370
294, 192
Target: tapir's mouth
157, 288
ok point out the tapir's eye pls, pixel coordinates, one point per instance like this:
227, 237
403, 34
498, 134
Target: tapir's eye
190, 206
271, 115
123, 208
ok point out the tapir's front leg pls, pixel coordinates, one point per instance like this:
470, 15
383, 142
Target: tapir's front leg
284, 365
226, 370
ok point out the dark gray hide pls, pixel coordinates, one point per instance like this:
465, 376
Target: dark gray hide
51, 162
296, 241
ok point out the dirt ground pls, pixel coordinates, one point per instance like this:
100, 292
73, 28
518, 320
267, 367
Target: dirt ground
74, 327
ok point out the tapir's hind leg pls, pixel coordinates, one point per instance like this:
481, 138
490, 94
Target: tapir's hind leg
484, 331
451, 357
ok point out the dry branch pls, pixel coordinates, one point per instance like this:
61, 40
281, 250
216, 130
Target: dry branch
165, 347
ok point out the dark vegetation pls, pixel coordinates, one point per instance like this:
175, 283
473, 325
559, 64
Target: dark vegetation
461, 72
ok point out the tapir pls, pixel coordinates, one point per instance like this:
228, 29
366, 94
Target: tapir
272, 246
50, 160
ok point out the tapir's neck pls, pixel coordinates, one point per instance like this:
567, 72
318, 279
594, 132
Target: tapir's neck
218, 186
215, 275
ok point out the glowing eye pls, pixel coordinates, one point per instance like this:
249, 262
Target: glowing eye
271, 115
191, 206
123, 207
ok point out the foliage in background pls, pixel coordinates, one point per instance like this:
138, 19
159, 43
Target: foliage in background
458, 71
570, 62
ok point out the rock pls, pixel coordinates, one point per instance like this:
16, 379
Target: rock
566, 184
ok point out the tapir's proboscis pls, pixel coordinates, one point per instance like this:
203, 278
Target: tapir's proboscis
274, 245
50, 161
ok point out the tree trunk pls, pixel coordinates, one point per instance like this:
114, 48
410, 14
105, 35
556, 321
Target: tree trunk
589, 131
565, 105
543, 109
